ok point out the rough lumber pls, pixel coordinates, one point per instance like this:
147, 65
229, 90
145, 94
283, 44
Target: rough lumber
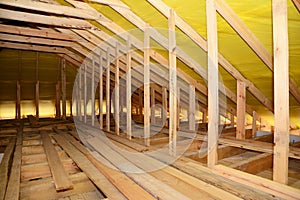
192, 108
281, 88
108, 90
128, 89
91, 171
5, 166
134, 145
13, 186
147, 85
92, 92
60, 176
117, 91
278, 189
63, 88
101, 90
43, 19
241, 110
53, 9
254, 164
213, 80
173, 94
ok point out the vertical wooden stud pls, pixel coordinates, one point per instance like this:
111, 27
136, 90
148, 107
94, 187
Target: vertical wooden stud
213, 83
101, 90
37, 86
85, 94
63, 85
172, 85
152, 106
80, 93
108, 89
141, 104
192, 107
281, 91
254, 119
241, 110
128, 89
117, 92
164, 106
93, 93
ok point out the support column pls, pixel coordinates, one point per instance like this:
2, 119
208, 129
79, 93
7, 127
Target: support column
57, 99
37, 87
101, 90
18, 99
204, 116
178, 108
80, 94
93, 93
192, 107
141, 104
164, 106
117, 92
108, 89
85, 94
63, 86
147, 85
128, 89
281, 91
172, 85
213, 83
231, 120
241, 110
254, 129
152, 106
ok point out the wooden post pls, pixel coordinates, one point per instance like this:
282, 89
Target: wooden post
281, 91
152, 106
85, 94
192, 107
108, 89
141, 104
37, 86
165, 106
101, 90
213, 83
93, 93
147, 85
117, 92
128, 89
18, 100
80, 94
57, 99
178, 108
204, 116
172, 85
63, 85
254, 119
241, 110
231, 120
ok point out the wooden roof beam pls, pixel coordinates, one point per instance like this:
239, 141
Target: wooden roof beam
53, 9
245, 33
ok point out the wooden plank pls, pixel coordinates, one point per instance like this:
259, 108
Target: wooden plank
213, 83
91, 171
172, 86
297, 4
265, 185
128, 89
192, 108
60, 176
63, 89
254, 164
35, 40
93, 93
43, 19
85, 93
101, 90
17, 30
53, 9
108, 89
18, 102
13, 186
254, 127
147, 112
117, 91
281, 88
241, 110
4, 166
165, 106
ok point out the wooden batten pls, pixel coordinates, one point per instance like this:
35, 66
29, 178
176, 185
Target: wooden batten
152, 106
128, 89
80, 93
213, 83
141, 104
164, 106
241, 110
63, 88
85, 93
192, 108
117, 91
101, 90
37, 87
254, 127
93, 93
108, 89
147, 111
281, 88
172, 86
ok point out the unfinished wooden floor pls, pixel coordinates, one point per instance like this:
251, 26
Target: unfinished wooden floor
46, 160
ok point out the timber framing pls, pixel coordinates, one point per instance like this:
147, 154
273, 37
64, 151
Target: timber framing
148, 100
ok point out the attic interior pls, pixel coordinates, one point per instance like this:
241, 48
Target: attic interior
156, 99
